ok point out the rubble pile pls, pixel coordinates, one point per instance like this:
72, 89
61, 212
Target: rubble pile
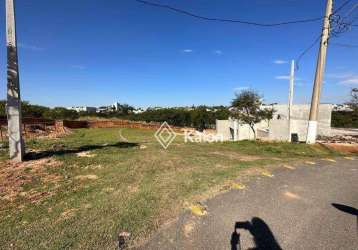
346, 139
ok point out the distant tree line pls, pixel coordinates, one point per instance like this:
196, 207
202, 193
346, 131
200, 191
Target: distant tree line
347, 119
246, 108
200, 117
37, 111
344, 119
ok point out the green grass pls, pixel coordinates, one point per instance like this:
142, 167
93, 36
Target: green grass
137, 189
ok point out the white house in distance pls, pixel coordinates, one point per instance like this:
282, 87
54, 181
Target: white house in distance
278, 128
84, 109
103, 109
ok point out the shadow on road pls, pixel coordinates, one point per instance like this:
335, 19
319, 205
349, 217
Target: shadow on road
62, 151
347, 209
263, 236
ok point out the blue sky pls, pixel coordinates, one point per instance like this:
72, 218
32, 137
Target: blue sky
91, 52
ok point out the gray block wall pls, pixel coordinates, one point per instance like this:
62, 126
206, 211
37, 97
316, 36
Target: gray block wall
278, 128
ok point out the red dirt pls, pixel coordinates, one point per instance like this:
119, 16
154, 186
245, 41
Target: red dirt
344, 147
14, 176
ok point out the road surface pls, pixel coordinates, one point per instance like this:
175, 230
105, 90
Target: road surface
308, 207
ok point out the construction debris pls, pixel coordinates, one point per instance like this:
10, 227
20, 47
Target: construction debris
346, 139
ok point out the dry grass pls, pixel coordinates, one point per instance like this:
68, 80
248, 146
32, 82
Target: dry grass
70, 200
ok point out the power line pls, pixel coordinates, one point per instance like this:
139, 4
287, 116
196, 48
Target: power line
341, 27
341, 7
185, 12
318, 39
333, 18
351, 11
345, 45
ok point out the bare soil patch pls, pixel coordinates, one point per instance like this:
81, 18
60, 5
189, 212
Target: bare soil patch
344, 147
235, 156
86, 154
15, 176
86, 177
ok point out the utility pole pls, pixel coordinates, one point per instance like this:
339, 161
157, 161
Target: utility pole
321, 63
290, 98
16, 143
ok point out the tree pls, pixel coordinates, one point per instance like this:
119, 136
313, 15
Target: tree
247, 109
61, 114
201, 118
267, 114
353, 104
27, 109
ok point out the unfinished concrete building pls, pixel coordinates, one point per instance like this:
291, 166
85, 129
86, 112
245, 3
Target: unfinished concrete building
278, 128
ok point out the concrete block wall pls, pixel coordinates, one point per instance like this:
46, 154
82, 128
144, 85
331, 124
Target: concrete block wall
245, 132
223, 129
278, 128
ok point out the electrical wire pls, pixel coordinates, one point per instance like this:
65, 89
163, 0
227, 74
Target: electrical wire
185, 12
303, 53
338, 26
345, 45
342, 6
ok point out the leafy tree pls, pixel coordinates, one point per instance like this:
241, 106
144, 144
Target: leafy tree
344, 119
125, 109
60, 114
2, 108
347, 119
353, 104
247, 109
28, 110
201, 118
267, 114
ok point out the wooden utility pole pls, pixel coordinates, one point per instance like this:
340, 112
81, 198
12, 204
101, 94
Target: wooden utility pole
321, 63
290, 98
16, 143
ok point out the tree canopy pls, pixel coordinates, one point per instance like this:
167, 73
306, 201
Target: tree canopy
247, 108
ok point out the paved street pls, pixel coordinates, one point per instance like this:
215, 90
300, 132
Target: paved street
309, 207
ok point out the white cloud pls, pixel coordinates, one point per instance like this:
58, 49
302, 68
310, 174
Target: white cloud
218, 52
282, 77
80, 67
350, 81
279, 61
339, 75
298, 81
187, 50
344, 78
29, 47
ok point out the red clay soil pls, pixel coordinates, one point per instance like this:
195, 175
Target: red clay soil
344, 147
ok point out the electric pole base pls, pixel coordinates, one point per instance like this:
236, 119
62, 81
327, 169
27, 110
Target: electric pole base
311, 132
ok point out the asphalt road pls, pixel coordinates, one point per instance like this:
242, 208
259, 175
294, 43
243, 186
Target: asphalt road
309, 207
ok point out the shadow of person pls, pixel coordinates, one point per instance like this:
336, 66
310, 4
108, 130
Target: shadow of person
263, 236
347, 209
62, 151
235, 240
